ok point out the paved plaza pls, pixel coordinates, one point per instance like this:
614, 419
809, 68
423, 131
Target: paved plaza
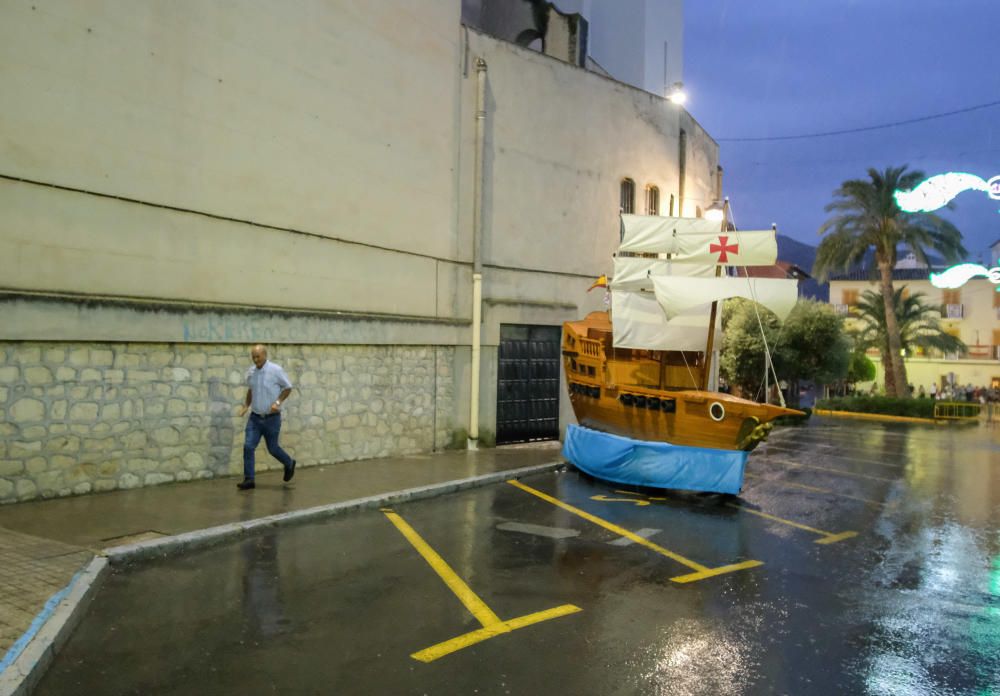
859, 558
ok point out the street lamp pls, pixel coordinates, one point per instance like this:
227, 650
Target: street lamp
677, 94
715, 212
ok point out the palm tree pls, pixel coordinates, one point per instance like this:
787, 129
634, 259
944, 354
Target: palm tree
866, 217
919, 326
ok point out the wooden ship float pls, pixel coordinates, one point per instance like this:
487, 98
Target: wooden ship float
640, 378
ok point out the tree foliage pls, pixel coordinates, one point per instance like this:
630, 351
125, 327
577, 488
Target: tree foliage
866, 218
812, 344
809, 345
860, 368
742, 360
919, 324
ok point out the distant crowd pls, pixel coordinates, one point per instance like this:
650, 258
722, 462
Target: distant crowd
957, 392
949, 392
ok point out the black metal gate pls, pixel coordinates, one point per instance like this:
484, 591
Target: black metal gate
528, 383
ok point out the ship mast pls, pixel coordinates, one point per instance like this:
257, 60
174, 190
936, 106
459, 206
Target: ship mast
706, 375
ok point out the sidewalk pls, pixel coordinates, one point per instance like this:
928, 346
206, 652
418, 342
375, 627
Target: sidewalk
46, 545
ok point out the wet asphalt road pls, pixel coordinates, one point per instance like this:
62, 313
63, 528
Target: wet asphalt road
908, 605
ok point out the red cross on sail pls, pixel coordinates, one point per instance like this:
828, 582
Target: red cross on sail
725, 248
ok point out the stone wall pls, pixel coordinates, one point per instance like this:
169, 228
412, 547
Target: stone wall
77, 418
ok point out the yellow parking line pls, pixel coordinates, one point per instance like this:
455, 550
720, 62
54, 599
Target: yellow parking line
647, 497
834, 538
492, 624
478, 636
816, 489
632, 501
701, 571
827, 537
466, 596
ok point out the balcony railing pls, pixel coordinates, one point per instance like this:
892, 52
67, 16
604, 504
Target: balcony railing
953, 311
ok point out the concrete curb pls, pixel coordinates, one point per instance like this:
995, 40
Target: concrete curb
876, 417
23, 675
227, 532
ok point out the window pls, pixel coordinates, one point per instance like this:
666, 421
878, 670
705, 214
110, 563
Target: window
652, 200
996, 299
628, 196
850, 297
671, 205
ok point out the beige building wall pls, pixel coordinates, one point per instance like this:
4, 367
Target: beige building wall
314, 149
923, 372
180, 180
558, 142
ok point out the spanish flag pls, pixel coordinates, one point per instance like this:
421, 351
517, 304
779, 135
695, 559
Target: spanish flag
601, 282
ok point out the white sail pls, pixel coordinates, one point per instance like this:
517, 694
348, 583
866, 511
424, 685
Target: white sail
665, 303
655, 234
633, 272
683, 297
639, 322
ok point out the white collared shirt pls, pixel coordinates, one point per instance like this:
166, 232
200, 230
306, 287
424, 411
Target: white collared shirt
266, 384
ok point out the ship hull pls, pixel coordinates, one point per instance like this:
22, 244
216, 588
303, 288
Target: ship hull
625, 395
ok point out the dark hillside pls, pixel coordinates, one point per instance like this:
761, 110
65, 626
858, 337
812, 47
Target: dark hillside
803, 255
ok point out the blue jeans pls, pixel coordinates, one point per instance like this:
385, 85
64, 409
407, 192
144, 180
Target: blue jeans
269, 427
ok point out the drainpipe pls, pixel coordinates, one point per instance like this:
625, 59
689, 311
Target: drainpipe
477, 262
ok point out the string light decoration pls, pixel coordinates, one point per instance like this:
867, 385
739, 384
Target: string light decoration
938, 191
957, 276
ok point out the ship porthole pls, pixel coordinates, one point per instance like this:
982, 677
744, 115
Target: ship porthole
717, 411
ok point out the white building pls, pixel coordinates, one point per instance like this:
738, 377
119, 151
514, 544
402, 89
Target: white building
640, 42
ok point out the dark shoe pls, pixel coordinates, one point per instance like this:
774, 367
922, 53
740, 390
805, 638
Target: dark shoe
290, 472
246, 484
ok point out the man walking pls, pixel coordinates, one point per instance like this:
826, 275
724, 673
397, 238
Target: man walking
267, 388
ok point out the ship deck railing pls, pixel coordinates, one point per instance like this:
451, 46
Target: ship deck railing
590, 347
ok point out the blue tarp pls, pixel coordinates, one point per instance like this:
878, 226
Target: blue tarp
654, 464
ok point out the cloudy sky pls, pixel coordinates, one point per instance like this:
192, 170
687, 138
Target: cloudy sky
778, 68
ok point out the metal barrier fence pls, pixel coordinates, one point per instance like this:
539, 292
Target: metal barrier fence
957, 410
